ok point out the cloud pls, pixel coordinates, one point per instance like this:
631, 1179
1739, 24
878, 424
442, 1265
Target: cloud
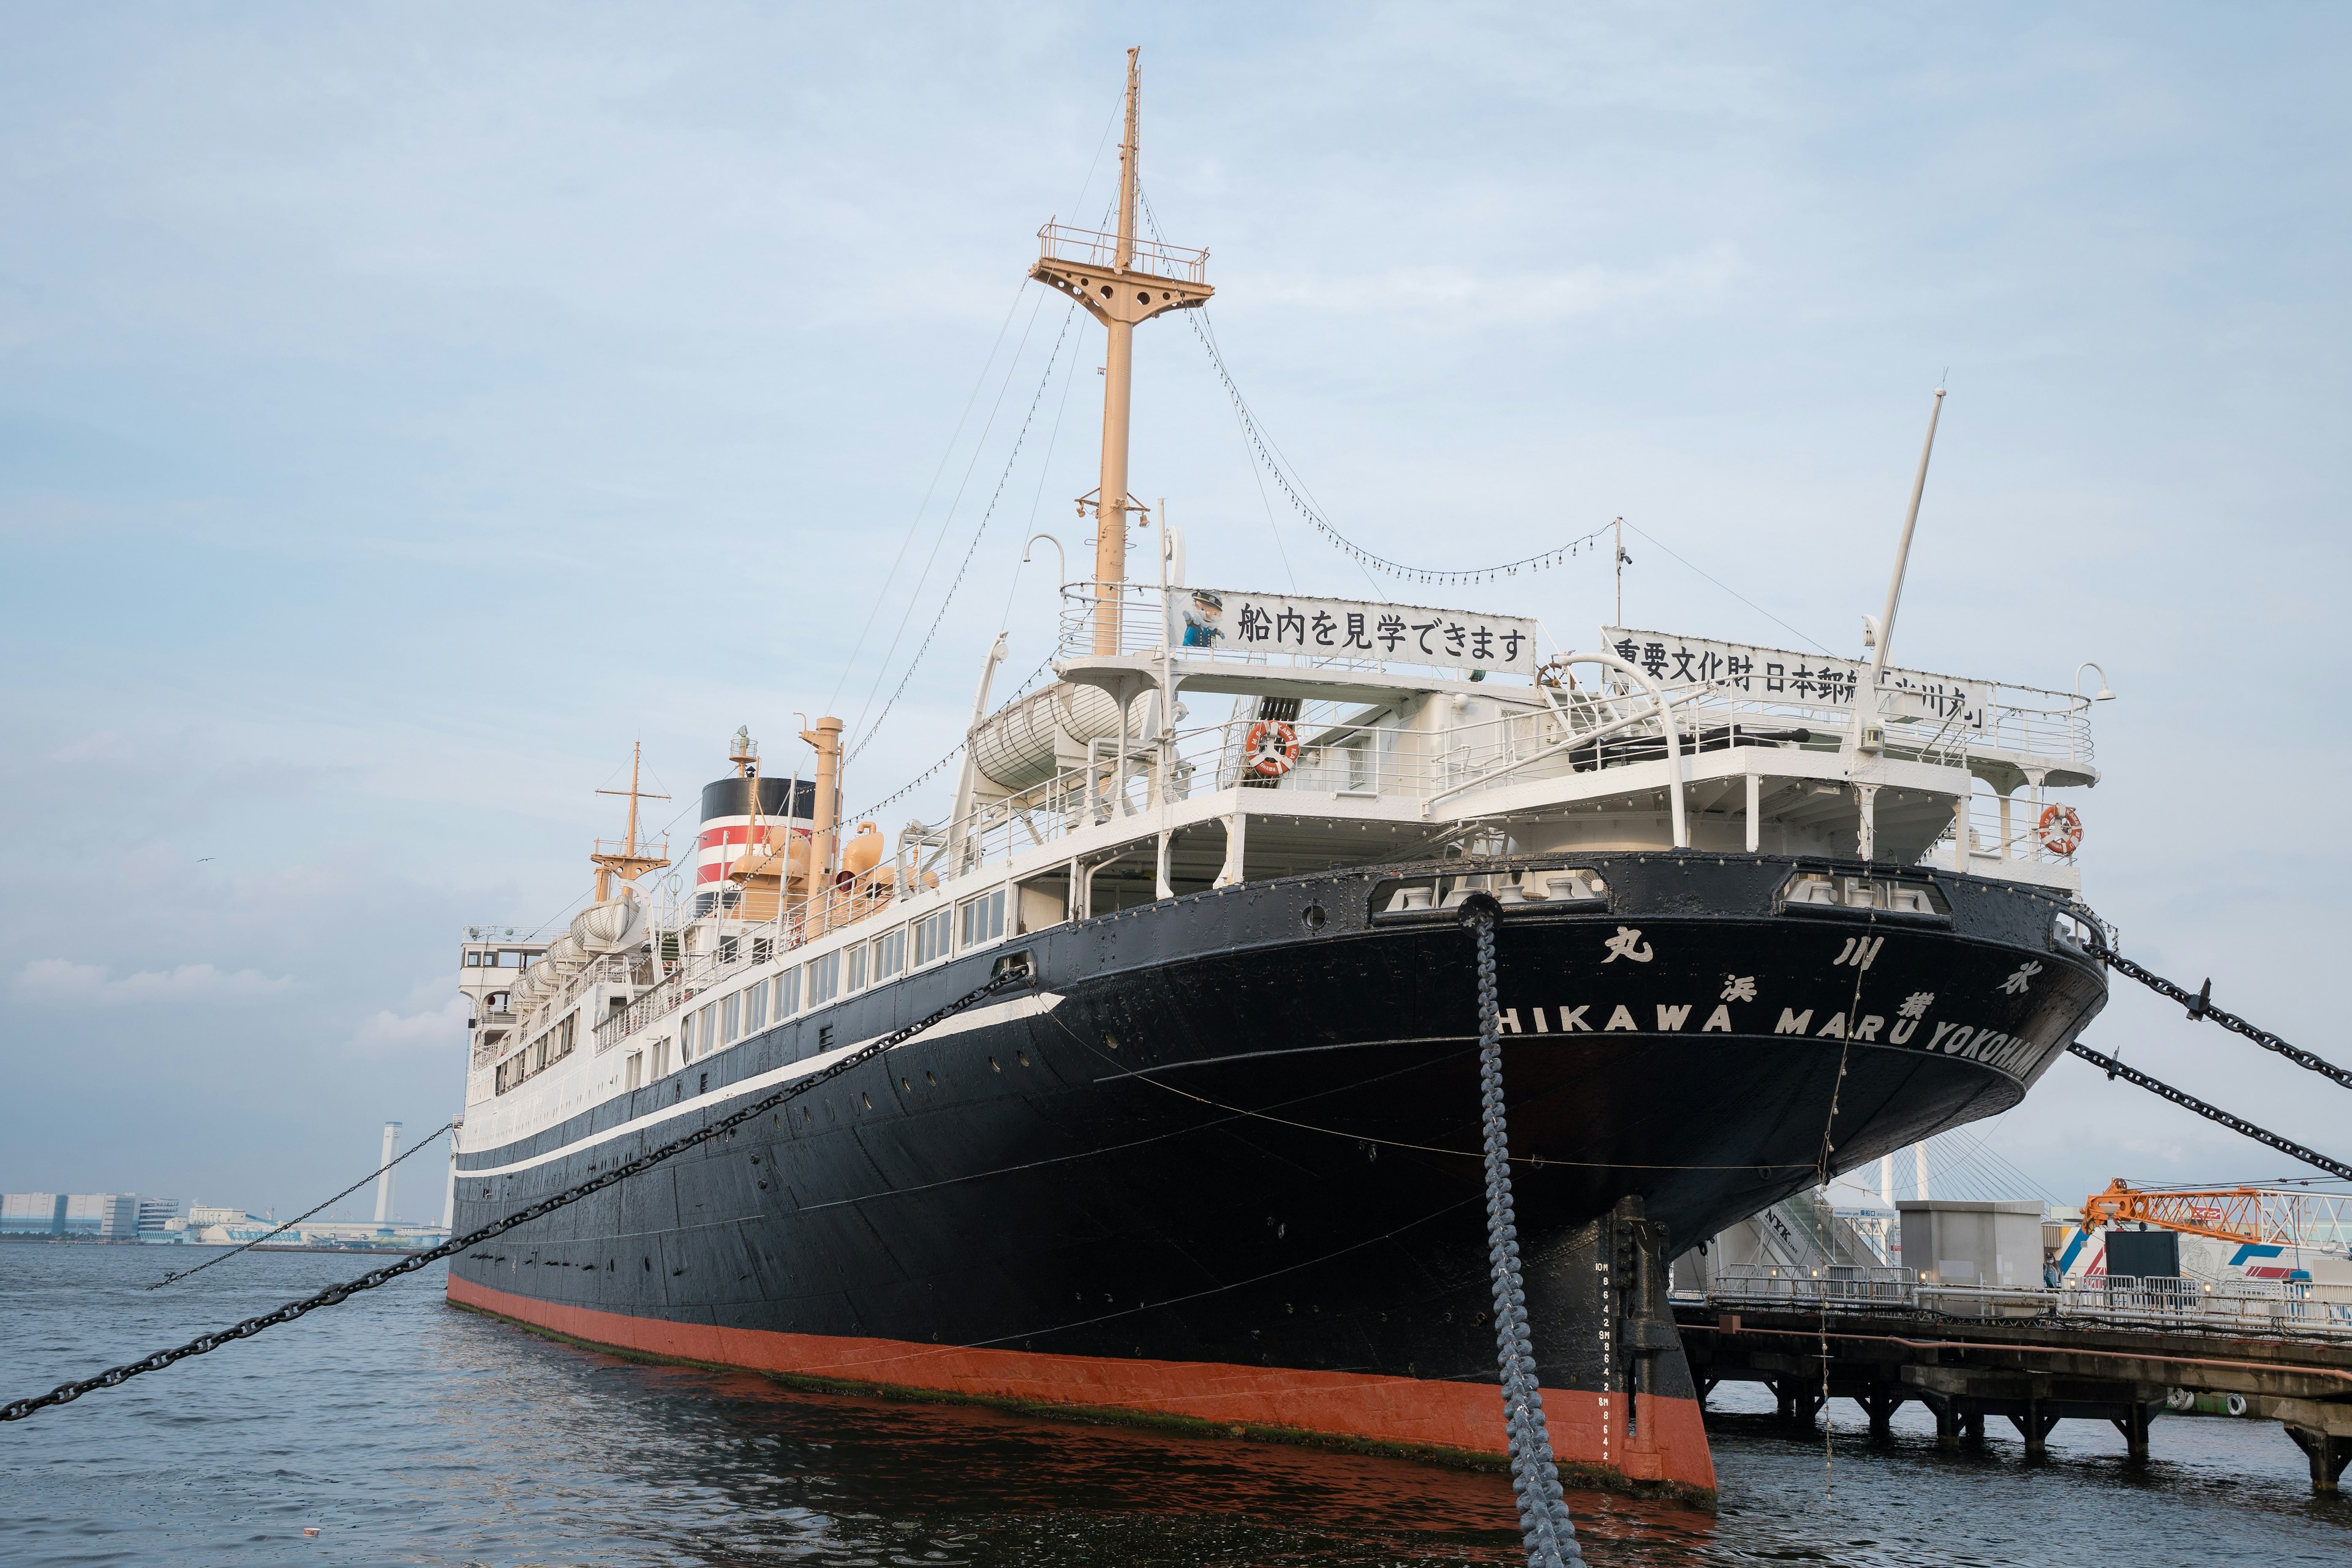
60, 981
388, 1031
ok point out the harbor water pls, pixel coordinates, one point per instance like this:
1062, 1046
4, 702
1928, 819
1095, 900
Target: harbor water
405, 1432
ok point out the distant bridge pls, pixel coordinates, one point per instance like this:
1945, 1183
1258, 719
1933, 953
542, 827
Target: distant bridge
2111, 1350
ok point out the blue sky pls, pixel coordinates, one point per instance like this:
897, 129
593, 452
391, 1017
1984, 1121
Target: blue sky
402, 409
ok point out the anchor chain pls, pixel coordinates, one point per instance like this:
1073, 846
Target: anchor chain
1545, 1527
2212, 1112
2200, 1004
1014, 973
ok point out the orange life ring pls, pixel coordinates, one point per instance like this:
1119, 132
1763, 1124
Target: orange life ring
1273, 747
2061, 829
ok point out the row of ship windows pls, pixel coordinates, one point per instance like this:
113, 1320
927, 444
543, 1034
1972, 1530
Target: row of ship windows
805, 986
551, 1047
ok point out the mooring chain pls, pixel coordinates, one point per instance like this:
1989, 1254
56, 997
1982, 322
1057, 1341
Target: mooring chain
2114, 1068
2200, 1004
335, 1295
173, 1279
1546, 1530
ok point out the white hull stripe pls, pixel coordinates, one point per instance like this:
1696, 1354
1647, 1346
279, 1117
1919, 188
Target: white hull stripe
977, 1019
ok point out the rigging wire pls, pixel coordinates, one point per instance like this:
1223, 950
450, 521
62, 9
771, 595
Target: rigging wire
964, 568
927, 774
914, 524
1197, 319
1364, 558
1044, 474
1724, 586
175, 1278
882, 669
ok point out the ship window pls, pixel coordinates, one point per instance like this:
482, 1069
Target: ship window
788, 992
931, 937
728, 948
889, 954
636, 1064
823, 979
705, 1031
983, 920
858, 967
473, 961
661, 1057
755, 1009
730, 1018
762, 949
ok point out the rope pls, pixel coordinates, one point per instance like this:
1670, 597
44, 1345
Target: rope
170, 1279
2212, 1112
336, 1295
2200, 1004
1545, 1528
964, 568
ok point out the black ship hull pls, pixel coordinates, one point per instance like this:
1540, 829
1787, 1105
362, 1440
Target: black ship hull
1220, 1161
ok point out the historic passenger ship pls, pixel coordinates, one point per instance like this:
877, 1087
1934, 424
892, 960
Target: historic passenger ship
1218, 1158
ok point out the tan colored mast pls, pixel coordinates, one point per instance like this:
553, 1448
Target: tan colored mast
628, 863
1119, 389
1131, 289
825, 842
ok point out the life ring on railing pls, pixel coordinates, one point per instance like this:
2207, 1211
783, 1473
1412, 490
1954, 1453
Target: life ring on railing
1273, 747
2061, 829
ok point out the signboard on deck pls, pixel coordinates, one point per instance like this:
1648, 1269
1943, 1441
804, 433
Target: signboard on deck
1777, 675
1226, 621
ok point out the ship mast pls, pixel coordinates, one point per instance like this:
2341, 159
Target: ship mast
627, 862
1121, 285
1118, 369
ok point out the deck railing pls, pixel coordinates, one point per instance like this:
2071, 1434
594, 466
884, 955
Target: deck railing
1334, 754
2261, 1306
1092, 248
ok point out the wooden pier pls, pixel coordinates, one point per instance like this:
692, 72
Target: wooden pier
2115, 1353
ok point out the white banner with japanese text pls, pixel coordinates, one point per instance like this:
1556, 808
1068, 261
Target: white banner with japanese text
1772, 674
1223, 620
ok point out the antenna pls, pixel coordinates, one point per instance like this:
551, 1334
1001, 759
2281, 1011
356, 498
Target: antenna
626, 861
1884, 635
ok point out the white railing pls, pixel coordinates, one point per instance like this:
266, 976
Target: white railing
1333, 754
2009, 828
2260, 1306
1092, 248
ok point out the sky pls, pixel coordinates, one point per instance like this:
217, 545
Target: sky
406, 409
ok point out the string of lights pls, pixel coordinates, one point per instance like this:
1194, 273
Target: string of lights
957, 750
1197, 319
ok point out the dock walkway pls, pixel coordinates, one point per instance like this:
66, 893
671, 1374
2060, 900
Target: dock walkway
2112, 1350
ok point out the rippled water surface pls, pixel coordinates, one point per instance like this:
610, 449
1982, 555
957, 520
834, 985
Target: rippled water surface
408, 1432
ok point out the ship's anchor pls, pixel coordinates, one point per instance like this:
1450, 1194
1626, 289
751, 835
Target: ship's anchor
1545, 1528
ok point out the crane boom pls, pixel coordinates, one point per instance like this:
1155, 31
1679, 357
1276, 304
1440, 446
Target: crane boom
2258, 1214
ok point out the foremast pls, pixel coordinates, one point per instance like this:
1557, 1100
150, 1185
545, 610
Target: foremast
1122, 284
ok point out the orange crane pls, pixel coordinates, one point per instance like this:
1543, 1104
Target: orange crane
2259, 1215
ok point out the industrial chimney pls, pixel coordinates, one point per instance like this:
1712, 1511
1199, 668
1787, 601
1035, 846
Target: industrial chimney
384, 1181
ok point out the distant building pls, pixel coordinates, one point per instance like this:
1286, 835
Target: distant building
79, 1217
32, 1213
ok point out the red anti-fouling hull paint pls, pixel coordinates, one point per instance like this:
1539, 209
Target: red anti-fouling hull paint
1669, 1445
